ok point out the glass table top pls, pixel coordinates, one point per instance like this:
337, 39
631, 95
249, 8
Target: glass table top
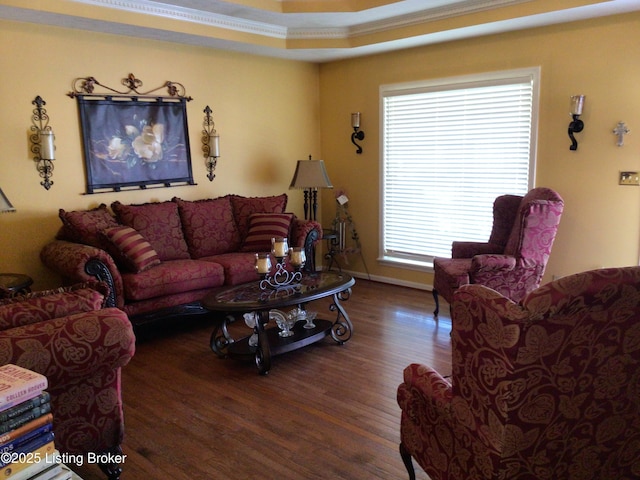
249, 296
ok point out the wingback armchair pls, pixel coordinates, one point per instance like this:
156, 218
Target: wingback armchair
81, 347
515, 257
548, 388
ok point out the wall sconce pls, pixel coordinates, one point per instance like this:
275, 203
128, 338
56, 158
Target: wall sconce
576, 126
357, 133
42, 142
210, 143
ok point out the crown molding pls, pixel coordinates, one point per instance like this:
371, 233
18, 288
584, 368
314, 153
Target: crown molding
149, 7
171, 12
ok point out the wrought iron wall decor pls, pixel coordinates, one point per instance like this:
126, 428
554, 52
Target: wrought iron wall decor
42, 142
133, 139
210, 143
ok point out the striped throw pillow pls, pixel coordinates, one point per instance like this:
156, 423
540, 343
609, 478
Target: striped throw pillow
263, 227
131, 248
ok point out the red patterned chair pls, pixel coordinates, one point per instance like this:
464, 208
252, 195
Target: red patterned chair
513, 261
547, 389
80, 347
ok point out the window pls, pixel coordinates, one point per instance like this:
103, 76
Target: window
449, 148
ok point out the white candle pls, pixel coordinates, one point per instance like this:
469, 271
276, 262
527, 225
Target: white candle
214, 145
279, 247
263, 263
577, 103
355, 120
47, 148
298, 256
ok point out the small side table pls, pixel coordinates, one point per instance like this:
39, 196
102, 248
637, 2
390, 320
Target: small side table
12, 284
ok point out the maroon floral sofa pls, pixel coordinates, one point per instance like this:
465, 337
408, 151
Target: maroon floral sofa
160, 259
81, 347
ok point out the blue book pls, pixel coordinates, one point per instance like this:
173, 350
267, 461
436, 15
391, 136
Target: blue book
26, 438
27, 448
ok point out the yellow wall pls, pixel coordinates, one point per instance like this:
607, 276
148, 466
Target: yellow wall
271, 113
601, 223
265, 110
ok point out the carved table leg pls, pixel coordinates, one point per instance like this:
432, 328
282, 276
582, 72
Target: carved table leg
263, 351
220, 337
341, 329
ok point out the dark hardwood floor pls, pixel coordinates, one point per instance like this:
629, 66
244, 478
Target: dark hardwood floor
323, 412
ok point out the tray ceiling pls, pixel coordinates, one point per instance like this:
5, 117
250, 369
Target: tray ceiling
309, 30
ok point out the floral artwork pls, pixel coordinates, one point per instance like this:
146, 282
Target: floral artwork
133, 143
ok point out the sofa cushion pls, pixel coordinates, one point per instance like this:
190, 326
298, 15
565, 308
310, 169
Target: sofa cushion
84, 226
131, 249
263, 227
172, 277
209, 226
239, 267
244, 207
159, 223
49, 304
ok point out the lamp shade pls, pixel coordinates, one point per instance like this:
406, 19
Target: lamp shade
310, 174
5, 204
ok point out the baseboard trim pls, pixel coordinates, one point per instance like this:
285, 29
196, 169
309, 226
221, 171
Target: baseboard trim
390, 281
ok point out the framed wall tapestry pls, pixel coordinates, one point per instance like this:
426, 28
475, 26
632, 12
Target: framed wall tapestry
134, 141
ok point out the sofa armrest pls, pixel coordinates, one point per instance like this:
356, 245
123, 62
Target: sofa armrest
306, 233
76, 263
71, 348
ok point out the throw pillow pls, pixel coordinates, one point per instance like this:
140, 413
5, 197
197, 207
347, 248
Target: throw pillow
263, 227
132, 249
209, 226
84, 226
244, 207
159, 223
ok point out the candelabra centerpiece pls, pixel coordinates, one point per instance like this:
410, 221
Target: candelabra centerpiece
280, 278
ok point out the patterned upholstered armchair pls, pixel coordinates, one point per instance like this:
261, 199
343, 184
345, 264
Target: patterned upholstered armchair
545, 389
80, 347
515, 257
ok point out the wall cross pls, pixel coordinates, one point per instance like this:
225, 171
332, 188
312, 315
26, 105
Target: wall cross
621, 130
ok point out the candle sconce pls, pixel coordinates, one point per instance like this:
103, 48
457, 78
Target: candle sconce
577, 125
210, 143
42, 142
281, 279
357, 133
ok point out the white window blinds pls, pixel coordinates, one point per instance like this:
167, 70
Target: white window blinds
449, 149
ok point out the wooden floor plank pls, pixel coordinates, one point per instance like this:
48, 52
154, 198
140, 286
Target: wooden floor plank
326, 411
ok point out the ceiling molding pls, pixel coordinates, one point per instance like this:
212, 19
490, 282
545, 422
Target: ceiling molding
246, 26
184, 14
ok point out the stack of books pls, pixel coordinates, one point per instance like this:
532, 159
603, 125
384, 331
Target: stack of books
27, 450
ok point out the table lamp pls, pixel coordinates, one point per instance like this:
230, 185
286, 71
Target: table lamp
310, 175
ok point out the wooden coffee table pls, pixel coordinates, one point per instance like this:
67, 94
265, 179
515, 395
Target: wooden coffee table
249, 297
